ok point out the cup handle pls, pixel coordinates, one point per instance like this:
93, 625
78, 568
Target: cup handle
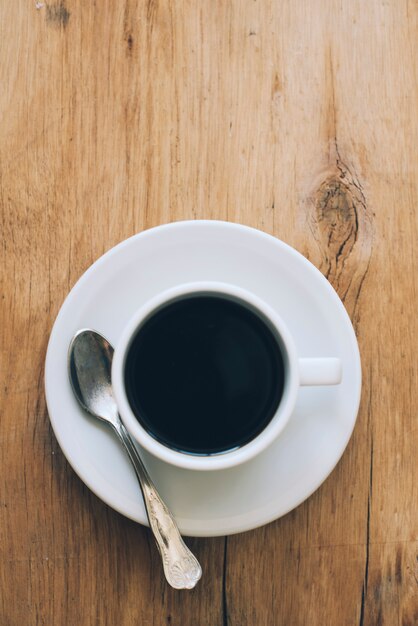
320, 371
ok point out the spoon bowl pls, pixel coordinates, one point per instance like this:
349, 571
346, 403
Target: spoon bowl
89, 365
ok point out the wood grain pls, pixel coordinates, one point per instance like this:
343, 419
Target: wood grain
299, 118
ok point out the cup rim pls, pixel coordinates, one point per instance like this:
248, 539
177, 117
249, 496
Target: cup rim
221, 460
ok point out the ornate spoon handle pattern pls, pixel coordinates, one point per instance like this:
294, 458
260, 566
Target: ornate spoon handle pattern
182, 569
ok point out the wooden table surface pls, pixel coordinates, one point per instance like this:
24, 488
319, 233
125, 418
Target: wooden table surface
295, 117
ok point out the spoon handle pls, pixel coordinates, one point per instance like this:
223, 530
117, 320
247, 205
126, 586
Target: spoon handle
181, 568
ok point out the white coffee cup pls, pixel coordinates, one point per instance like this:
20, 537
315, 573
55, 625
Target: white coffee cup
298, 371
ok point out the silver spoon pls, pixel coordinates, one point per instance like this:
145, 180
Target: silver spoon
89, 366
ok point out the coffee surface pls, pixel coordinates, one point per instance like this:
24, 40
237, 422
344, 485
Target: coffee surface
204, 374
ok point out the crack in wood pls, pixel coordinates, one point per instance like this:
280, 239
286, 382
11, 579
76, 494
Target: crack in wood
225, 620
365, 585
366, 566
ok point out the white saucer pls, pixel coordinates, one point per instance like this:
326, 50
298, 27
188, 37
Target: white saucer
225, 501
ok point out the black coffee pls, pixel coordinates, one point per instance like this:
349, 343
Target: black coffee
204, 374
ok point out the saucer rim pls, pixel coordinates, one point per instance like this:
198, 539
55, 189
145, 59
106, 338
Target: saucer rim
219, 526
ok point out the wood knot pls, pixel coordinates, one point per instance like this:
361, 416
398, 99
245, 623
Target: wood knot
342, 228
337, 221
57, 14
129, 42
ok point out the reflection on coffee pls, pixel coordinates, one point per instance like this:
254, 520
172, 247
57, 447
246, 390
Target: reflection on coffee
204, 374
